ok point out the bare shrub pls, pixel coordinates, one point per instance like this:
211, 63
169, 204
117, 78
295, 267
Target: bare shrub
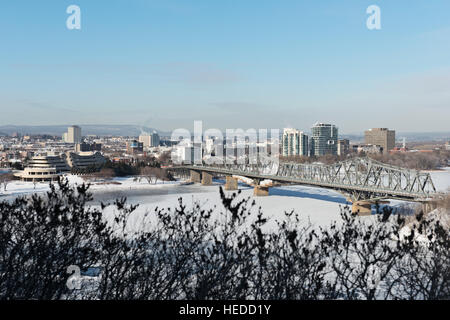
222, 253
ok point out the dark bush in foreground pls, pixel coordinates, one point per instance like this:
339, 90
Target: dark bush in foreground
193, 254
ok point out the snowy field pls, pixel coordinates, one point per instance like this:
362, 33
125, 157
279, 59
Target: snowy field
316, 205
441, 179
16, 188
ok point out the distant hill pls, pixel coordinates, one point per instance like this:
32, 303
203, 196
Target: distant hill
99, 130
422, 136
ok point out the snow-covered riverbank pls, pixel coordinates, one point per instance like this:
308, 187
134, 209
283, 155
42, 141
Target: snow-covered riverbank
16, 188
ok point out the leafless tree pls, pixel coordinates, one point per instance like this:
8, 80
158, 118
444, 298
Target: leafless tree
153, 174
103, 174
5, 179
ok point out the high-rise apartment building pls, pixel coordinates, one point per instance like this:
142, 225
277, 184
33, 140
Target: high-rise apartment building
73, 135
295, 143
324, 139
382, 137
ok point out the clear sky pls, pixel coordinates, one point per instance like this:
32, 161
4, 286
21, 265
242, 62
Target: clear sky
230, 63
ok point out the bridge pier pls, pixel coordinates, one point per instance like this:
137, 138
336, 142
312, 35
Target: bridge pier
362, 208
428, 206
231, 183
195, 176
206, 179
261, 191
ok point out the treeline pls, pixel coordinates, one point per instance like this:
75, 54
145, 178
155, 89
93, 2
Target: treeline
411, 160
192, 253
150, 170
416, 160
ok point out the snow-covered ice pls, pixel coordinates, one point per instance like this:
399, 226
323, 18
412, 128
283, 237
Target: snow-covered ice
441, 179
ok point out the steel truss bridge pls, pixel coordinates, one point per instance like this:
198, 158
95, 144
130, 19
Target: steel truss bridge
360, 179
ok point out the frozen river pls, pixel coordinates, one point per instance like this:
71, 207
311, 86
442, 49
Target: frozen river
316, 205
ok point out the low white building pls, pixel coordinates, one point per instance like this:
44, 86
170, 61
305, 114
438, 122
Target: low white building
43, 168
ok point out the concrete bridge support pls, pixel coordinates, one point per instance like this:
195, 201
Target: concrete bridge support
261, 191
231, 183
428, 206
206, 179
195, 176
362, 208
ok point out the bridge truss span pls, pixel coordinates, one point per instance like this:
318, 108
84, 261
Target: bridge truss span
359, 178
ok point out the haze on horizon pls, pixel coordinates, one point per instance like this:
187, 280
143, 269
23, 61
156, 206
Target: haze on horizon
260, 64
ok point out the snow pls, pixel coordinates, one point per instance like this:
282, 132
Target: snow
16, 188
313, 205
441, 179
432, 217
316, 205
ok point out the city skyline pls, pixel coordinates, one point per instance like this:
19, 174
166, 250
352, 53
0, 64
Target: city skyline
249, 65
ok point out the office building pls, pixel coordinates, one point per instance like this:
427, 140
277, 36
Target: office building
324, 139
188, 153
73, 135
343, 147
85, 160
135, 146
295, 143
43, 168
86, 147
382, 137
154, 142
150, 140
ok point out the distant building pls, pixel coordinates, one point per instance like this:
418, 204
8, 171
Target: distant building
398, 150
343, 147
324, 139
382, 137
183, 154
87, 147
155, 140
43, 168
187, 153
135, 147
209, 145
294, 143
150, 140
85, 160
73, 135
367, 148
168, 142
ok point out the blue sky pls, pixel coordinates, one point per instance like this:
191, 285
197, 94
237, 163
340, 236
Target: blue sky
230, 63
